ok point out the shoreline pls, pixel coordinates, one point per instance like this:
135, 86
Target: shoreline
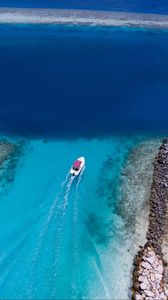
150, 274
82, 17
136, 180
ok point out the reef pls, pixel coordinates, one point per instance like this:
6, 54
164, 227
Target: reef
82, 17
6, 150
9, 153
150, 274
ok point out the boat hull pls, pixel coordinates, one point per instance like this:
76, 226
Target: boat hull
74, 172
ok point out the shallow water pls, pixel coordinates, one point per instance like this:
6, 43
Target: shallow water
63, 238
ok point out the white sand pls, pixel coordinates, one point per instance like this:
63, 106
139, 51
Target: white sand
81, 17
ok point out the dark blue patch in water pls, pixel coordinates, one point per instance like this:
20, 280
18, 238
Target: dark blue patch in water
71, 82
149, 6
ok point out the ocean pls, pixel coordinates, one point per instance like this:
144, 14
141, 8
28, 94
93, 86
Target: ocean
73, 82
150, 6
68, 91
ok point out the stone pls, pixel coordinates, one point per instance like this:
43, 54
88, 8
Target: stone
146, 265
151, 253
162, 296
149, 293
149, 249
160, 269
143, 286
156, 292
136, 273
143, 279
166, 289
145, 272
137, 261
140, 270
158, 277
150, 259
138, 296
152, 277
136, 286
165, 275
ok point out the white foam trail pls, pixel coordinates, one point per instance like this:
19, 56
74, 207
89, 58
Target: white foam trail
75, 239
65, 181
48, 219
43, 232
65, 203
63, 211
75, 280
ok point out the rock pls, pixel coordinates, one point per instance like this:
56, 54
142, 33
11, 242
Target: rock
145, 272
149, 293
158, 277
165, 274
152, 277
151, 259
136, 286
146, 265
144, 286
143, 279
136, 273
162, 296
166, 289
138, 296
160, 269
156, 292
137, 261
151, 253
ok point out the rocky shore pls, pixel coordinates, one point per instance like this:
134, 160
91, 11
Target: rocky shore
150, 274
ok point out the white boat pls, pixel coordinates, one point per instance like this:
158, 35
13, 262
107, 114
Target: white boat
77, 166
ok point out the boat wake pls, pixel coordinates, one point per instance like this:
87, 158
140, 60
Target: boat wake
57, 213
58, 209
72, 212
67, 190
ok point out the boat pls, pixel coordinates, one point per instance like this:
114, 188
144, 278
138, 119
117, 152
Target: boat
77, 166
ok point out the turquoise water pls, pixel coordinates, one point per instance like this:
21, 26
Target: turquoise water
61, 238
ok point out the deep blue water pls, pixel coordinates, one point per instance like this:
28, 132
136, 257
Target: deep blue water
149, 6
82, 82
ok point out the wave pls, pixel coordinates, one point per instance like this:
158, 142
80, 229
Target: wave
82, 17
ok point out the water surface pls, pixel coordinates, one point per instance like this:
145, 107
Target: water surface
80, 82
150, 6
75, 91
